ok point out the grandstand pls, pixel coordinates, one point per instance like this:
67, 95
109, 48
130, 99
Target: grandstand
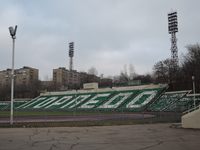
151, 98
169, 101
187, 102
5, 105
128, 99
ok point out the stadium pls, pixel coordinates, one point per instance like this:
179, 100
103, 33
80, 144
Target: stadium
134, 117
156, 110
138, 104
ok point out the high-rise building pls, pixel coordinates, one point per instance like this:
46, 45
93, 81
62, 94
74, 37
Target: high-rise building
23, 76
5, 79
26, 75
66, 79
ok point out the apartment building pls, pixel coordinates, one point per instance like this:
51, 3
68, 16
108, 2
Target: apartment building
23, 76
65, 79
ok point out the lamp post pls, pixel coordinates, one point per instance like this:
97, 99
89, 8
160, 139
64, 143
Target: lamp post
13, 35
193, 85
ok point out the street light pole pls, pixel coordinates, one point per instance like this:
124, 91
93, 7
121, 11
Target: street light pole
193, 84
12, 33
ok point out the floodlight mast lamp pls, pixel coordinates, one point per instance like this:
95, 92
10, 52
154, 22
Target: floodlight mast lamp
173, 29
13, 35
71, 55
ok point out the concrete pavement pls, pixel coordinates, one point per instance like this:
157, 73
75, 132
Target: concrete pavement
128, 137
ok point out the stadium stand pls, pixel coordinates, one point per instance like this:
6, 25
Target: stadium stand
187, 102
137, 98
130, 99
170, 101
5, 105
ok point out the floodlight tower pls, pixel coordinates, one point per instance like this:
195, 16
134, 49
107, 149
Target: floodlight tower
71, 55
173, 29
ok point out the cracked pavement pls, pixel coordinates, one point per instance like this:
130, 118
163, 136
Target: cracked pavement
127, 137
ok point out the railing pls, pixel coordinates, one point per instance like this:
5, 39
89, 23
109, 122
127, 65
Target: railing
190, 110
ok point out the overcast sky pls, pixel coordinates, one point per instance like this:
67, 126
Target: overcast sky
108, 34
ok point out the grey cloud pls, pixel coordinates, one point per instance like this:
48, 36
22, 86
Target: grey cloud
107, 33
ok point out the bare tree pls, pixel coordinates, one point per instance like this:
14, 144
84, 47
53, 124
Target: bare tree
125, 72
132, 73
191, 66
93, 71
181, 78
162, 71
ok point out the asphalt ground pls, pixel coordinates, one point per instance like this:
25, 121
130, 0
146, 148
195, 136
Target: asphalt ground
128, 137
